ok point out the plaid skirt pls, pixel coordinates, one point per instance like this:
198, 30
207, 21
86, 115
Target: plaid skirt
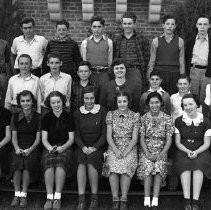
30, 163
54, 160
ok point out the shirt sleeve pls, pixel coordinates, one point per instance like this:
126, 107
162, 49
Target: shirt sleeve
109, 118
8, 98
207, 98
45, 123
207, 127
14, 47
83, 49
102, 138
13, 126
153, 53
177, 125
142, 126
110, 52
71, 123
137, 120
7, 53
169, 126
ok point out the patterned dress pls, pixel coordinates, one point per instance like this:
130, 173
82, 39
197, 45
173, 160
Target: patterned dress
122, 126
155, 132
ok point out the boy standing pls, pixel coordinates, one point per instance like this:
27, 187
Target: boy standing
55, 80
133, 48
84, 72
167, 55
155, 81
198, 58
22, 81
66, 47
31, 44
98, 50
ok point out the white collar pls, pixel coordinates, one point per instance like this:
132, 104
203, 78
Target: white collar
95, 109
188, 121
204, 37
160, 90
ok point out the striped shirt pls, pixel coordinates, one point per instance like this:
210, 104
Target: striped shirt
69, 52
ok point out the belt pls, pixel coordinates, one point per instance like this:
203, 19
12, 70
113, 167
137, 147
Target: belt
198, 66
99, 69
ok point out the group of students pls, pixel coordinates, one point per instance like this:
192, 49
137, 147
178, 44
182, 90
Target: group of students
110, 106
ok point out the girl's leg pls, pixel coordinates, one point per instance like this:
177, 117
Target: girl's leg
147, 190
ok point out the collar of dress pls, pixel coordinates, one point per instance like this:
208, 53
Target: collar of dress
188, 121
95, 109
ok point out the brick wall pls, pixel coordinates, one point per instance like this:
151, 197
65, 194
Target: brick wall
80, 29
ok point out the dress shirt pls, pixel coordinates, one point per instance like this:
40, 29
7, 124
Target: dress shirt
17, 84
200, 51
62, 84
110, 48
36, 49
160, 90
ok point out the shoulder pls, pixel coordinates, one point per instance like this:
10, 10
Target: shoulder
67, 76
178, 120
18, 38
13, 78
41, 38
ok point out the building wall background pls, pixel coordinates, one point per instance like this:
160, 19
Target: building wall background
79, 30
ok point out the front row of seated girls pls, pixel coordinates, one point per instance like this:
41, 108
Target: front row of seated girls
90, 127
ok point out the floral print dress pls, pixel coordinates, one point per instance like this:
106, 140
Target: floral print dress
155, 132
122, 127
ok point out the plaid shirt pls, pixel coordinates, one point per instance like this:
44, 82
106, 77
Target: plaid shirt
77, 97
142, 49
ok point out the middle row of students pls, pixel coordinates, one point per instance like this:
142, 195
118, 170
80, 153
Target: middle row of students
105, 96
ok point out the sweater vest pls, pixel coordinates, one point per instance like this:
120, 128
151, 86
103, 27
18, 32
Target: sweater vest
97, 52
167, 53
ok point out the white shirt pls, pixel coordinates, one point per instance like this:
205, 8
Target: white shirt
207, 100
17, 84
62, 84
36, 49
200, 51
160, 90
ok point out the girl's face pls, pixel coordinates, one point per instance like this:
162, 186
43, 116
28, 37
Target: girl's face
154, 105
190, 106
122, 103
89, 101
26, 102
120, 71
56, 103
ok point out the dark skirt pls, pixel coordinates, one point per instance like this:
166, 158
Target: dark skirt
30, 163
4, 158
201, 162
54, 160
95, 159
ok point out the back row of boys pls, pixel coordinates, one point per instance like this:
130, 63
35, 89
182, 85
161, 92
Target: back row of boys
167, 56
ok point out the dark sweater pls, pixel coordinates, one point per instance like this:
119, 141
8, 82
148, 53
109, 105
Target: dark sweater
189, 54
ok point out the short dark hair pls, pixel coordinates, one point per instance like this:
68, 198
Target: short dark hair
126, 94
89, 89
26, 93
63, 22
155, 73
168, 16
85, 63
97, 18
184, 76
131, 15
193, 96
25, 56
55, 94
203, 16
54, 55
117, 62
26, 20
154, 94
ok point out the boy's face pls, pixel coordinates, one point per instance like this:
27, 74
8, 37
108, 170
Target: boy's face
97, 29
28, 30
83, 72
169, 26
155, 82
54, 64
183, 86
202, 25
24, 64
61, 31
128, 25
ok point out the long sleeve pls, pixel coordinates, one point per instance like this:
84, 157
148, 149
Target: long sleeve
153, 52
181, 56
76, 56
136, 96
103, 96
102, 138
45, 68
77, 130
83, 49
167, 101
8, 98
110, 52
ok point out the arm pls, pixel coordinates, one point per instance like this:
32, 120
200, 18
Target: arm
133, 142
7, 137
17, 149
167, 145
103, 96
205, 146
83, 49
12, 60
153, 52
34, 145
69, 86
38, 98
69, 142
181, 56
7, 61
179, 145
45, 68
45, 142
142, 104
136, 96
76, 56
110, 52
8, 97
167, 104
